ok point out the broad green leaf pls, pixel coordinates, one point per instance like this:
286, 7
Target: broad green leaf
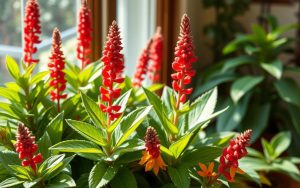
9, 158
38, 77
254, 153
256, 164
20, 171
50, 163
54, 170
75, 146
166, 151
242, 85
140, 96
202, 154
293, 111
280, 143
10, 182
44, 144
237, 61
130, 123
169, 99
96, 115
250, 172
256, 119
268, 149
234, 45
55, 128
288, 90
274, 68
101, 174
158, 107
231, 118
88, 131
124, 179
288, 168
202, 108
179, 176
62, 181
12, 67
178, 147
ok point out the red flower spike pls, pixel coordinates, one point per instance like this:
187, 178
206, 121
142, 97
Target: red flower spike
26, 147
182, 65
84, 34
32, 29
151, 156
141, 68
236, 150
156, 55
56, 67
112, 72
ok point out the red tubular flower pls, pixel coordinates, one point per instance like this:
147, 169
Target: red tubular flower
236, 150
112, 72
156, 55
56, 67
151, 156
84, 32
26, 147
32, 29
182, 65
141, 68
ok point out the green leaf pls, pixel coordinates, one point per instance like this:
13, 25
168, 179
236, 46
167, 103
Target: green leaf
12, 67
38, 77
124, 179
50, 163
140, 96
235, 44
169, 99
62, 181
101, 175
75, 146
231, 119
256, 119
130, 123
96, 115
268, 149
202, 154
179, 176
288, 90
88, 131
242, 85
280, 143
20, 171
202, 108
180, 145
158, 107
256, 164
9, 158
166, 151
44, 144
274, 68
237, 61
10, 182
55, 128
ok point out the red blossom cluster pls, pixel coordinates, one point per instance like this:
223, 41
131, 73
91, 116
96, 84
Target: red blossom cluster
141, 68
32, 29
112, 72
84, 34
156, 55
231, 154
26, 147
182, 65
56, 67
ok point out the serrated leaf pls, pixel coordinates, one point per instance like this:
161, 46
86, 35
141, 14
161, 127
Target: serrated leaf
158, 107
101, 174
96, 115
55, 128
130, 123
242, 85
76, 146
88, 131
180, 176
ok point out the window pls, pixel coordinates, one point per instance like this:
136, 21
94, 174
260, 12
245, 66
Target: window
54, 13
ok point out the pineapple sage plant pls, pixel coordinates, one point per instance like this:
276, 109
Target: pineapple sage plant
88, 125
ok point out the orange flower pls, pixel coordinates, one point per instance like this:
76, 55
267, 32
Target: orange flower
207, 171
152, 163
233, 171
151, 157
